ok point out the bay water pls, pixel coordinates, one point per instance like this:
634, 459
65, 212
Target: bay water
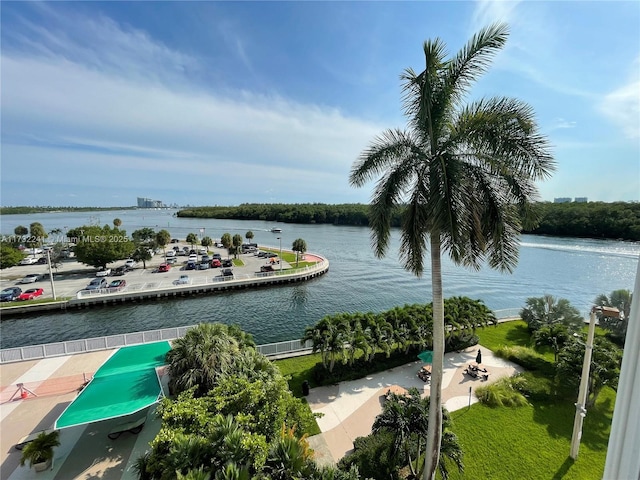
575, 269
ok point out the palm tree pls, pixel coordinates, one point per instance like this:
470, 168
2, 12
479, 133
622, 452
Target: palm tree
464, 176
299, 246
407, 417
620, 299
548, 310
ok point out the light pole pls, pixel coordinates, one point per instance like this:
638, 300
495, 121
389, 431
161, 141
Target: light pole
581, 411
53, 288
280, 238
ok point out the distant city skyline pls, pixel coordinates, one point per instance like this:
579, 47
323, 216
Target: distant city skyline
223, 103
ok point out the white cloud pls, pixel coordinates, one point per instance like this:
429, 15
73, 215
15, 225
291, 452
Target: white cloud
622, 107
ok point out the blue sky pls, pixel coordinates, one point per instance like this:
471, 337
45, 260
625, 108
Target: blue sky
221, 103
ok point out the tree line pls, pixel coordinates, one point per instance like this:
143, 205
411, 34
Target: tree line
616, 220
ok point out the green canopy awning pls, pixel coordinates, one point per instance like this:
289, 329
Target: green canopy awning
123, 385
426, 356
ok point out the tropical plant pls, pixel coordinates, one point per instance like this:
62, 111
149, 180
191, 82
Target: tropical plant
40, 450
237, 243
97, 246
407, 417
21, 230
604, 371
192, 239
117, 222
555, 336
503, 393
200, 357
9, 255
141, 254
226, 241
299, 246
162, 238
249, 235
620, 299
37, 234
547, 310
465, 177
206, 241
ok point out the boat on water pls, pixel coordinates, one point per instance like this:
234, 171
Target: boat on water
276, 230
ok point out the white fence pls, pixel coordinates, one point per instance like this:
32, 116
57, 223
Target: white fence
35, 352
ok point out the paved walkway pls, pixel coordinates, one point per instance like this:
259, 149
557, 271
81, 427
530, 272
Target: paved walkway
87, 453
350, 408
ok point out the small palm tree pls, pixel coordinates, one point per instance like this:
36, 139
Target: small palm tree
40, 450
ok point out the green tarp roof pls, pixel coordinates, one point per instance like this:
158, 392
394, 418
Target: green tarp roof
124, 384
426, 356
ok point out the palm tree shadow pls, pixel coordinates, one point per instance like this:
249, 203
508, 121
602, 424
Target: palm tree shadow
564, 469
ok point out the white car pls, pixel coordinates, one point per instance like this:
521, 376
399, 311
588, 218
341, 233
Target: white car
183, 280
28, 261
31, 278
170, 254
193, 257
130, 263
103, 273
202, 251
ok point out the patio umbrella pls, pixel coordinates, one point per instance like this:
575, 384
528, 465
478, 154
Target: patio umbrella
479, 357
426, 356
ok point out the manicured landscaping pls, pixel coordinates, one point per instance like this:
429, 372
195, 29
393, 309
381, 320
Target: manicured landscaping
530, 442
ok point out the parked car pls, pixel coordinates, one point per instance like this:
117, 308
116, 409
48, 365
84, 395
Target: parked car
33, 251
175, 240
227, 263
42, 261
205, 258
10, 294
216, 256
31, 294
215, 263
176, 249
172, 260
130, 263
117, 285
203, 266
97, 284
164, 267
190, 265
31, 278
28, 261
118, 272
203, 251
170, 254
227, 272
105, 272
193, 257
266, 268
183, 280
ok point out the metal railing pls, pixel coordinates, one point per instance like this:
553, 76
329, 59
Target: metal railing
70, 347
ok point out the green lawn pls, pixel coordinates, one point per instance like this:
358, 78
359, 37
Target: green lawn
530, 442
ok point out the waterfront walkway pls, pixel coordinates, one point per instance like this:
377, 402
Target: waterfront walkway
86, 452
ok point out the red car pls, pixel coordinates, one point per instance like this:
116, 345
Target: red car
31, 294
215, 263
164, 267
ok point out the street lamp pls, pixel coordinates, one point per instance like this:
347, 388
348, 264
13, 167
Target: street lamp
280, 238
581, 411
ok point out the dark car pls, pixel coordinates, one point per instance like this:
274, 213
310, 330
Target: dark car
227, 272
175, 240
190, 266
119, 271
216, 256
227, 263
205, 258
42, 261
10, 294
266, 268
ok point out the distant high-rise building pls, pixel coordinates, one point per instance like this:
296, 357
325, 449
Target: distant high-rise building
581, 200
562, 200
149, 203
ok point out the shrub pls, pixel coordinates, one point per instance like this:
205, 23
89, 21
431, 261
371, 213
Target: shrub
503, 393
527, 358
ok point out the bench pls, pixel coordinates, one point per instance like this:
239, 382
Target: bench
134, 427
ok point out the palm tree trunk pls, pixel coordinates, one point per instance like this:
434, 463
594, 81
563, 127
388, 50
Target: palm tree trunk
434, 430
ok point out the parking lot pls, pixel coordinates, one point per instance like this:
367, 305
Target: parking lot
73, 277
